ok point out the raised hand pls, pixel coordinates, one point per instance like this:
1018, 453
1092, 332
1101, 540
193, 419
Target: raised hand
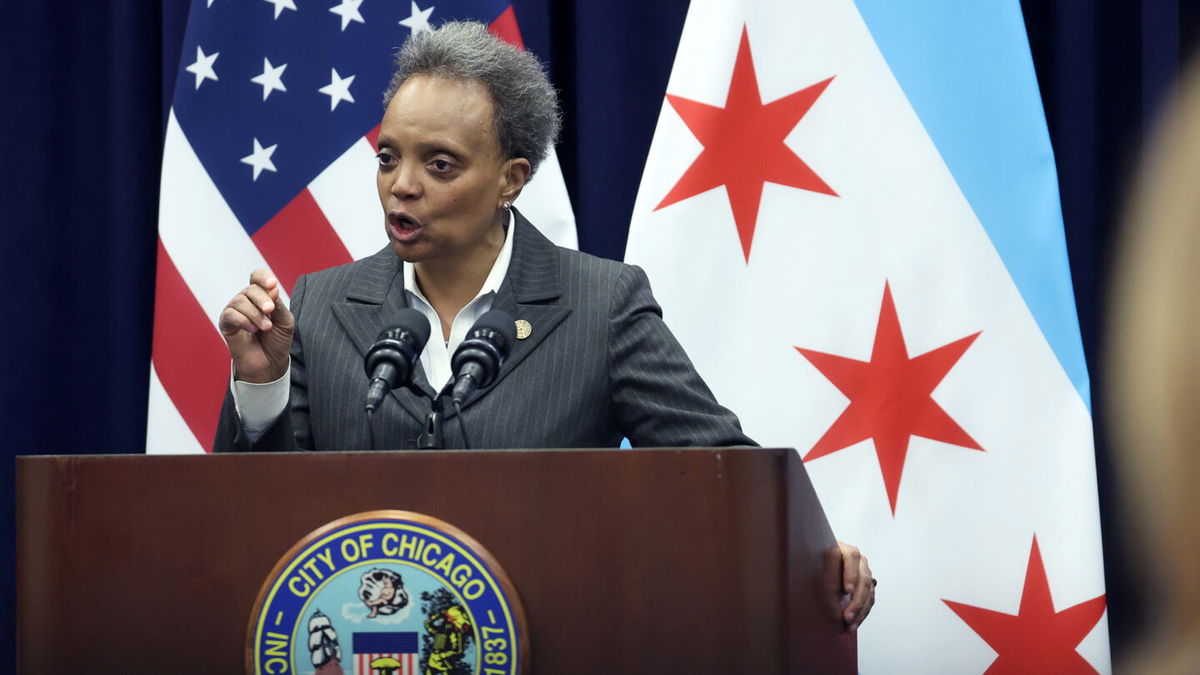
258, 329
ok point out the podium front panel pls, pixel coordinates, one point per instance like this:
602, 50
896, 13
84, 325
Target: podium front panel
629, 561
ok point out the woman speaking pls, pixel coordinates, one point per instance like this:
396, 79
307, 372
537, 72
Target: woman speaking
468, 119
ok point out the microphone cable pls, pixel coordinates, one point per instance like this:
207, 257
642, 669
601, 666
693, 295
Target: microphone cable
462, 427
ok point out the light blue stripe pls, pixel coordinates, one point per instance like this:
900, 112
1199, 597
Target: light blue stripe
967, 71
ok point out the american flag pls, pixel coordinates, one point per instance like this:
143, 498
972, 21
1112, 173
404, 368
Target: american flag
383, 648
268, 161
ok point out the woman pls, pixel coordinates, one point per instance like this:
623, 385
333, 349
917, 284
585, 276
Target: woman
468, 119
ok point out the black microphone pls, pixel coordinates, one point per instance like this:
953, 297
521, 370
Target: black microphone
478, 359
390, 360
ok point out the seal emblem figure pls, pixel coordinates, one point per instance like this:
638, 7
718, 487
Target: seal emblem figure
387, 593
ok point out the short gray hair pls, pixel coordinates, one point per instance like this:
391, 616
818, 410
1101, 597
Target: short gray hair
527, 119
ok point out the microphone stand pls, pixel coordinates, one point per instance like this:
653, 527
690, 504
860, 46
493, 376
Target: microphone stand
433, 439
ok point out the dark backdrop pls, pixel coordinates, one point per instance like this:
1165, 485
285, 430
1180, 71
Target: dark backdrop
84, 89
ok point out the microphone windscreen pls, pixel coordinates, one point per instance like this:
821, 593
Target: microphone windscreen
389, 362
413, 321
501, 322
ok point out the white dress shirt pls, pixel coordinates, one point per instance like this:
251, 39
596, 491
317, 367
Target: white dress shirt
258, 405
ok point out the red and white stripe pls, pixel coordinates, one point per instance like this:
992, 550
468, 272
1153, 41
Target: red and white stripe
362, 663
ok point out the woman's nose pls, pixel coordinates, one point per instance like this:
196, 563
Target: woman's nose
406, 183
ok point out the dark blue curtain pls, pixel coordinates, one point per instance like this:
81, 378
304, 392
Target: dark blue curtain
84, 87
1105, 68
81, 85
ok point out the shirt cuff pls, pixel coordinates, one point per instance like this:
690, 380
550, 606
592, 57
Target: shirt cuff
259, 405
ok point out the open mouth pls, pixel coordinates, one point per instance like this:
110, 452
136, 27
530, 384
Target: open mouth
404, 227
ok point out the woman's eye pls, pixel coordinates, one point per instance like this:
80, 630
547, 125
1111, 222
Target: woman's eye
385, 159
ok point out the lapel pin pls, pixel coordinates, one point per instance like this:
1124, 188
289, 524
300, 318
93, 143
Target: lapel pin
523, 329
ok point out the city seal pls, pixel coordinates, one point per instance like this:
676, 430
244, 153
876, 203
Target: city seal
387, 593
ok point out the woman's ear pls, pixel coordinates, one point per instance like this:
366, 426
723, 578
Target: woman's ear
515, 175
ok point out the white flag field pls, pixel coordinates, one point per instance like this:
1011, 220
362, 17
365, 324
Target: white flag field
850, 216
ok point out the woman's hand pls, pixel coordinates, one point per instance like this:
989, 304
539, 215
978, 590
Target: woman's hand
258, 329
858, 586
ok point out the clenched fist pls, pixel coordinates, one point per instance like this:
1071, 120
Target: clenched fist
258, 329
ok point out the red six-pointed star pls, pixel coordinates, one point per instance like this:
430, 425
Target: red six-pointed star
744, 145
890, 397
1037, 639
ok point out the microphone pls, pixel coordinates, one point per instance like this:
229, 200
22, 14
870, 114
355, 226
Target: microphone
390, 360
478, 359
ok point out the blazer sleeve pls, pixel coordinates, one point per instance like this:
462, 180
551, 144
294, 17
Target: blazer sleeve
291, 430
658, 397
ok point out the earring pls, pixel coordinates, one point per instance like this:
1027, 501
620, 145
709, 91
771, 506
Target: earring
507, 206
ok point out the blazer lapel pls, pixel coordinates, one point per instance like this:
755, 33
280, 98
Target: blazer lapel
531, 291
376, 293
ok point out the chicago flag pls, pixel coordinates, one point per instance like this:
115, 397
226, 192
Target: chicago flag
269, 161
850, 216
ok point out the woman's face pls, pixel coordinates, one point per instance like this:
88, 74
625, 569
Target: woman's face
441, 179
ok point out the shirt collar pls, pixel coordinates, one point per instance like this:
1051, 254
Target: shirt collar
494, 278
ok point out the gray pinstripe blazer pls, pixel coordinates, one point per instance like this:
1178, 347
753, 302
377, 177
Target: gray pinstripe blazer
599, 364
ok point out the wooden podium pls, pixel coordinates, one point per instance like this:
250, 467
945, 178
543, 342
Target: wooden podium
633, 561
